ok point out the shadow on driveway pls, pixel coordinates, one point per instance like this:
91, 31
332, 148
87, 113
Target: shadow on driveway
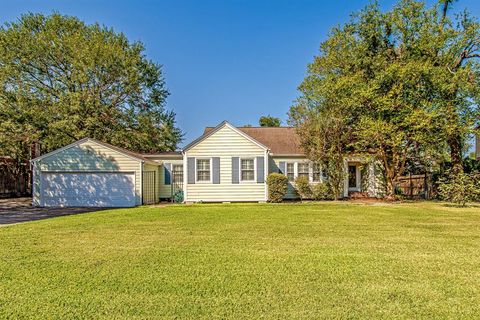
21, 210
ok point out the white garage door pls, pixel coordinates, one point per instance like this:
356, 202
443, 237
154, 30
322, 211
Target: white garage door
88, 189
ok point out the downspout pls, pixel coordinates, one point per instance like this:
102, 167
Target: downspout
185, 178
265, 174
141, 181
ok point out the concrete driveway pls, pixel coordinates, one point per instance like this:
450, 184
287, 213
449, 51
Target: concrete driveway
21, 210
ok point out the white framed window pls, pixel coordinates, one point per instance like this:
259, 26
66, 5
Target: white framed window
316, 172
247, 169
290, 171
203, 170
303, 169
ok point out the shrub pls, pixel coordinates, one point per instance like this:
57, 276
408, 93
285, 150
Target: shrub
277, 187
321, 191
460, 188
302, 186
178, 196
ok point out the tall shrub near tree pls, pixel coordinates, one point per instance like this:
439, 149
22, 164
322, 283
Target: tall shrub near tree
384, 77
62, 80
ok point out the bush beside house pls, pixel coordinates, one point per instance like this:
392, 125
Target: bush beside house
460, 188
303, 188
277, 187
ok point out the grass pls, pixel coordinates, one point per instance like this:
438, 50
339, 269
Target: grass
326, 260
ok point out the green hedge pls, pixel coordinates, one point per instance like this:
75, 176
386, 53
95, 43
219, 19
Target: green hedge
277, 187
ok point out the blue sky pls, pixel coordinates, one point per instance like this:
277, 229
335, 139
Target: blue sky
223, 60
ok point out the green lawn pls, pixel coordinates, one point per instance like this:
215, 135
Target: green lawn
327, 260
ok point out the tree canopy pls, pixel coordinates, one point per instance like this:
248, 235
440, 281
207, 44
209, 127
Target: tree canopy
394, 82
269, 121
62, 80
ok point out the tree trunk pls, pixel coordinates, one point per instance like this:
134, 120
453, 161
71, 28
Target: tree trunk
455, 144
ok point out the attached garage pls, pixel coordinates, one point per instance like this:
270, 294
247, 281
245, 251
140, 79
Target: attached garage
90, 173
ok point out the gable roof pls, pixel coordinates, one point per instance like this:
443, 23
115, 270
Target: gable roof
212, 130
128, 153
279, 140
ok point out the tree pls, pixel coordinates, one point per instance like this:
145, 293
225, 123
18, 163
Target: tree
323, 137
456, 49
62, 80
269, 121
378, 77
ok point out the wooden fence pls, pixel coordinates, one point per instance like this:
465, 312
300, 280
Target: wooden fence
416, 186
19, 185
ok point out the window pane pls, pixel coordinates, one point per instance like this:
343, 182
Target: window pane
247, 169
203, 169
247, 164
203, 175
248, 175
303, 168
316, 172
203, 164
290, 171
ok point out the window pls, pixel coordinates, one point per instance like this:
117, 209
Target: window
290, 171
303, 170
316, 172
203, 169
177, 173
247, 168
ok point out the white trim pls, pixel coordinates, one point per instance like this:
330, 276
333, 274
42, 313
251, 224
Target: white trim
294, 170
265, 174
211, 169
99, 143
217, 128
254, 158
185, 178
141, 183
308, 170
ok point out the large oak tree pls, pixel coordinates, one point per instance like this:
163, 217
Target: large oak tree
388, 77
62, 80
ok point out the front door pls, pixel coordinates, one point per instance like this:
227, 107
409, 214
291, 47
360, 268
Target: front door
353, 178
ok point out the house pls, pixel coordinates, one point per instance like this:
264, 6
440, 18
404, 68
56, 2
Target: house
225, 164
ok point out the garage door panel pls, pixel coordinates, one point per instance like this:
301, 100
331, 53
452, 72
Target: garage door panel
88, 189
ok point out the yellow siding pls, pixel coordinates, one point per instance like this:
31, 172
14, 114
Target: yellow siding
225, 144
89, 156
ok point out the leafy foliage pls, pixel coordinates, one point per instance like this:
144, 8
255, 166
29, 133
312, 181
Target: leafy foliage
303, 188
323, 137
62, 80
321, 191
269, 121
387, 80
460, 187
277, 187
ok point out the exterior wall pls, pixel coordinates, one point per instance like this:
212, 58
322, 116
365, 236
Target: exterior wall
165, 190
225, 144
87, 156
